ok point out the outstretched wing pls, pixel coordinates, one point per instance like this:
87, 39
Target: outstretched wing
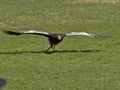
85, 34
27, 32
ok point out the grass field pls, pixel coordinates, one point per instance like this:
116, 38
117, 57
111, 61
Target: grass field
80, 63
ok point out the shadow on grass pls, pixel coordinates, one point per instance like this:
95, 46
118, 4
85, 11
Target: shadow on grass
51, 52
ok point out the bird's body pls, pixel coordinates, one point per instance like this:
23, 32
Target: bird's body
53, 38
56, 38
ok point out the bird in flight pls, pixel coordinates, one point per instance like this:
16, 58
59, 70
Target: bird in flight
53, 38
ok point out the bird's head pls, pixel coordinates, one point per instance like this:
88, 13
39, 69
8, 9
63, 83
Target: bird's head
59, 37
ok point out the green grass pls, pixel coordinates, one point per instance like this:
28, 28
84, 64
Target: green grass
80, 63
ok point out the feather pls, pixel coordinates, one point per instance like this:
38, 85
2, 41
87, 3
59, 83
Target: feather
85, 34
26, 32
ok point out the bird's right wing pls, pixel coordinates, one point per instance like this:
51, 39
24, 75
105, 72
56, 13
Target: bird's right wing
26, 32
85, 34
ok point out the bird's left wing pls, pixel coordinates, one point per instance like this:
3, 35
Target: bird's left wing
85, 34
26, 32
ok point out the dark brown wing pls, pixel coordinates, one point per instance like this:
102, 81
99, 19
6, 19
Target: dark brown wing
27, 32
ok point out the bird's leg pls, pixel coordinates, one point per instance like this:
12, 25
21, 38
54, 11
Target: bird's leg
54, 47
48, 48
51, 45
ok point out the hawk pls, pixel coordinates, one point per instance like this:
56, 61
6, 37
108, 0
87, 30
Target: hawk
54, 38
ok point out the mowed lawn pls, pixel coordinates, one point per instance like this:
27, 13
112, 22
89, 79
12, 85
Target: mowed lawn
79, 62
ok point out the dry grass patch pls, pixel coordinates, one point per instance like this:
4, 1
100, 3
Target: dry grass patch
95, 1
